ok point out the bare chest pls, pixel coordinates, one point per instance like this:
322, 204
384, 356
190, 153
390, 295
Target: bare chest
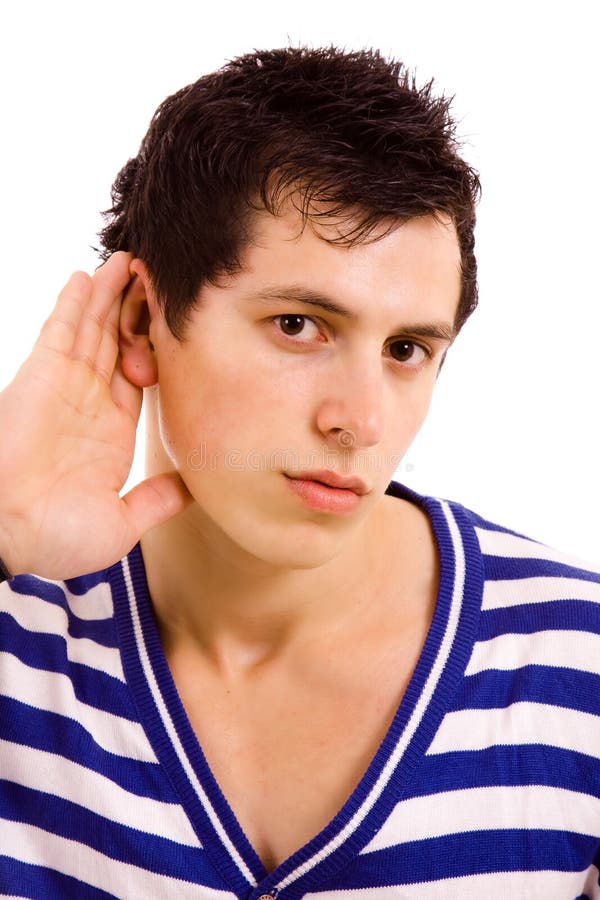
287, 754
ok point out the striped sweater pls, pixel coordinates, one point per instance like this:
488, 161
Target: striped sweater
487, 784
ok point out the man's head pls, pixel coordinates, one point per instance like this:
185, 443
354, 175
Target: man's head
282, 320
347, 137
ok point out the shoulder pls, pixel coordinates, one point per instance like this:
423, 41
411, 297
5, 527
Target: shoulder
511, 568
540, 607
533, 672
512, 552
510, 555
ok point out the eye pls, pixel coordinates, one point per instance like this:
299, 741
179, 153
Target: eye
408, 352
292, 325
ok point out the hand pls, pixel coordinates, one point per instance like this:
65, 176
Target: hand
68, 435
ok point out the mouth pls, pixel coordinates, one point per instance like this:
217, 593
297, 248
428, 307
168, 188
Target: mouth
327, 492
332, 480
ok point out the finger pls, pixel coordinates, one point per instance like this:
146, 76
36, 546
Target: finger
60, 328
109, 345
108, 350
107, 354
156, 500
125, 394
114, 314
108, 284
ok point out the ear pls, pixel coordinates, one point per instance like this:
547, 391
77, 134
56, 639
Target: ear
138, 358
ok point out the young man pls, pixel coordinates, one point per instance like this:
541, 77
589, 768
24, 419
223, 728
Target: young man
288, 676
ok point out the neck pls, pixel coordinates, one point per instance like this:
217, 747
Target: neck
238, 611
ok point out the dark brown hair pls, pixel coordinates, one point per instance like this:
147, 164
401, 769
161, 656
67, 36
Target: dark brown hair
350, 130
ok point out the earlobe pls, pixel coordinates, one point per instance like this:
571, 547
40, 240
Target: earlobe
138, 358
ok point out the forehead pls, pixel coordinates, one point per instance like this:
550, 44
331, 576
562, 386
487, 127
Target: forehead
413, 266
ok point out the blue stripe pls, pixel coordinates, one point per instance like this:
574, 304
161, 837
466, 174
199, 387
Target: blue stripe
552, 685
472, 853
81, 584
48, 653
510, 765
118, 842
529, 618
21, 879
26, 725
508, 568
478, 521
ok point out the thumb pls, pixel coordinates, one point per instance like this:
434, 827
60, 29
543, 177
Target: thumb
156, 500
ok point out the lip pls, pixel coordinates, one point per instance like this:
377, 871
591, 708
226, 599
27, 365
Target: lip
327, 492
333, 480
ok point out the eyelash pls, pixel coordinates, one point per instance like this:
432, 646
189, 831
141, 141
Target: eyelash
276, 320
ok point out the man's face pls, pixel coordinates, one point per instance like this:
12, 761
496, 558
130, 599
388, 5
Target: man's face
317, 357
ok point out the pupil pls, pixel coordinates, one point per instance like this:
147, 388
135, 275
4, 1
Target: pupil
292, 324
402, 350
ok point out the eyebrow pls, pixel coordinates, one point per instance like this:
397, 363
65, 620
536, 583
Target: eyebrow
442, 331
305, 295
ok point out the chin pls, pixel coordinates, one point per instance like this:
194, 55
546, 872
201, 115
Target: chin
290, 550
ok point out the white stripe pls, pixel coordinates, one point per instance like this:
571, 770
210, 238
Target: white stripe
172, 732
541, 589
499, 543
566, 649
482, 809
96, 603
519, 723
55, 775
53, 692
497, 885
416, 717
40, 617
40, 848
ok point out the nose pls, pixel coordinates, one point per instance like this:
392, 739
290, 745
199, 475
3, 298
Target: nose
352, 412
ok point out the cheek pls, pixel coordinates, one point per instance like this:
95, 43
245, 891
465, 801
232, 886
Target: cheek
222, 404
409, 411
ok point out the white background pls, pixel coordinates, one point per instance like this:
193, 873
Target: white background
513, 428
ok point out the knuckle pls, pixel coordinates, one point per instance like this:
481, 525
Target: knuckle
85, 359
54, 320
93, 318
102, 373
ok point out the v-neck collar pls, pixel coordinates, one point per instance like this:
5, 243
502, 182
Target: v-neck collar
430, 690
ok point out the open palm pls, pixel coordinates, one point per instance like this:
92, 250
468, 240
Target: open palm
69, 420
